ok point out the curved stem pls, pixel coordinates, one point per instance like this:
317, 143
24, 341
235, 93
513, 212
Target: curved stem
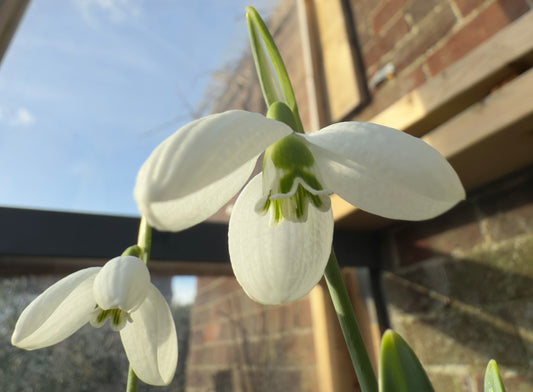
144, 242
132, 381
350, 328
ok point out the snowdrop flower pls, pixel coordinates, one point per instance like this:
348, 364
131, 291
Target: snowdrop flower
281, 226
119, 291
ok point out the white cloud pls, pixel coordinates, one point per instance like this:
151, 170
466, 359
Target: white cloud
115, 10
20, 117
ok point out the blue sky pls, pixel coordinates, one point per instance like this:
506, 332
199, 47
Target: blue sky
89, 87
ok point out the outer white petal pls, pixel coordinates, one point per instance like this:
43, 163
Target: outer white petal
150, 340
218, 150
280, 263
122, 283
182, 213
58, 312
385, 171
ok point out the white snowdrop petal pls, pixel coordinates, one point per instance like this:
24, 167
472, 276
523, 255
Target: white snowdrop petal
189, 210
279, 263
150, 340
122, 283
385, 171
203, 152
58, 312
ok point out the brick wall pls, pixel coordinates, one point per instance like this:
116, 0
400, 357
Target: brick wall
460, 287
238, 345
423, 37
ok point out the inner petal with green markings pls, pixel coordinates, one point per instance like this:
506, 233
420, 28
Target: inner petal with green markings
117, 318
291, 180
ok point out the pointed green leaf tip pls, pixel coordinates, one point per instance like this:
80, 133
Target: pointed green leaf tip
493, 382
399, 368
273, 76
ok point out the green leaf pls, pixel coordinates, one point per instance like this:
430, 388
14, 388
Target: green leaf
269, 65
493, 382
399, 368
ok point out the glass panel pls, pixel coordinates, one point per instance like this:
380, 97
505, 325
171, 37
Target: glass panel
89, 88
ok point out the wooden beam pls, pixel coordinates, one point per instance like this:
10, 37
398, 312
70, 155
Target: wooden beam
36, 241
365, 316
11, 12
334, 367
493, 137
16, 265
487, 141
338, 74
314, 79
468, 80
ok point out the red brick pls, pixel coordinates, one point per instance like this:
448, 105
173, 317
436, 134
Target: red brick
495, 17
201, 317
223, 354
198, 379
197, 337
467, 6
513, 8
202, 281
301, 314
364, 8
427, 34
418, 9
211, 332
411, 80
386, 13
228, 285
385, 42
299, 349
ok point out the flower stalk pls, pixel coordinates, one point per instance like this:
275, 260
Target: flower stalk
273, 77
144, 243
350, 328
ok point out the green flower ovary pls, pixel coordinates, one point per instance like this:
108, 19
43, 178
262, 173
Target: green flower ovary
292, 162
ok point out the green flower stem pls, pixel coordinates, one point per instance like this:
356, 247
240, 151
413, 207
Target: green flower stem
132, 381
144, 243
350, 329
273, 77
144, 240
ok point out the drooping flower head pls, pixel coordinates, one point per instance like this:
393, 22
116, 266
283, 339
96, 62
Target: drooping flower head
281, 226
120, 292
279, 256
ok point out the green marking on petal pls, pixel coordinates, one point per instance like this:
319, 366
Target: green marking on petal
290, 153
117, 317
290, 172
102, 316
